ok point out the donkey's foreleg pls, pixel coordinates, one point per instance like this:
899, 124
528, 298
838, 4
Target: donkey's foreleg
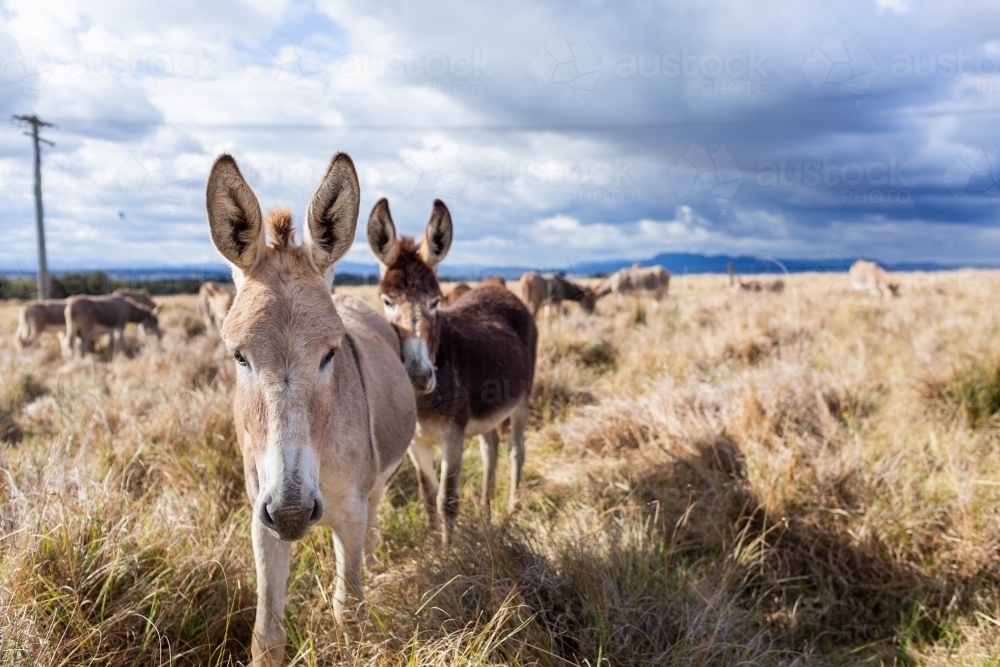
372, 536
422, 455
348, 541
518, 422
83, 343
451, 480
117, 341
489, 442
271, 556
69, 340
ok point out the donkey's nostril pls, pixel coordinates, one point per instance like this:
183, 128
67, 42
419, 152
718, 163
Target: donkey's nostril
422, 379
317, 511
265, 515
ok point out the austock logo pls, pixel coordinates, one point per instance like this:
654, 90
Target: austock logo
155, 171
559, 62
597, 182
873, 176
833, 62
300, 65
733, 74
23, 64
972, 172
63, 177
700, 171
182, 73
460, 74
433, 169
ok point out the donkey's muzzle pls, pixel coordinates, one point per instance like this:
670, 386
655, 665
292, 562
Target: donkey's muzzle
424, 381
289, 520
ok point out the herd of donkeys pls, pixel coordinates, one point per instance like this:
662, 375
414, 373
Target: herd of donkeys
78, 319
331, 394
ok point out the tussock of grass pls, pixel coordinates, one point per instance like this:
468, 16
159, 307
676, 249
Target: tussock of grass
973, 391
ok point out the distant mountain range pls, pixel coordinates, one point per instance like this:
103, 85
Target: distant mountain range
676, 263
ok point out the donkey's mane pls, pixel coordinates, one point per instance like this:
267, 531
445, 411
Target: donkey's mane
407, 244
279, 224
409, 271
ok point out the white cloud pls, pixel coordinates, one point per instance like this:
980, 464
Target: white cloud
898, 6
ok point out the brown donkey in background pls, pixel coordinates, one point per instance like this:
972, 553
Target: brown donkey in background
89, 316
471, 363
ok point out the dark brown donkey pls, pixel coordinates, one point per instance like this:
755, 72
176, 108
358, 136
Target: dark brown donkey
471, 363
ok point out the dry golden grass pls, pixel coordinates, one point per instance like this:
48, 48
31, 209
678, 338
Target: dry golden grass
728, 478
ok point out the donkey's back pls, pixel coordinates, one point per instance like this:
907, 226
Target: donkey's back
388, 389
486, 358
491, 323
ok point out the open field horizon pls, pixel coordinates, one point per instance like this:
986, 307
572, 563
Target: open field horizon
805, 478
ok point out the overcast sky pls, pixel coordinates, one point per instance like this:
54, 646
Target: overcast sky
557, 132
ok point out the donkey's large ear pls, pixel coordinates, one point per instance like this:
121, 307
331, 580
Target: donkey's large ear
437, 236
234, 217
382, 235
332, 214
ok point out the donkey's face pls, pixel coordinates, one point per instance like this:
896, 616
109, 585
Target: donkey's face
409, 288
283, 332
151, 326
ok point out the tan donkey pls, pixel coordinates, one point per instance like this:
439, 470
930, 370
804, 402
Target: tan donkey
638, 281
471, 363
214, 302
323, 408
871, 278
37, 317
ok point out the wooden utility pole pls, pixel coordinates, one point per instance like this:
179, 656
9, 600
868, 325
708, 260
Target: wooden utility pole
43, 273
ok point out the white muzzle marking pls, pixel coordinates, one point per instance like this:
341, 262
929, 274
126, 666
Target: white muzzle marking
289, 498
418, 365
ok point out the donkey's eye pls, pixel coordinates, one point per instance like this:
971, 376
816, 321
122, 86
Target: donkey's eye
435, 303
387, 302
328, 358
240, 359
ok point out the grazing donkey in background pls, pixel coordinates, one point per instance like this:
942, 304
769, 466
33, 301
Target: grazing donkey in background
214, 302
456, 292
737, 284
777, 286
492, 280
140, 296
471, 363
870, 277
551, 290
37, 317
89, 316
638, 280
323, 408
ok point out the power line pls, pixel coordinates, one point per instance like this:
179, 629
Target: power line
35, 123
535, 127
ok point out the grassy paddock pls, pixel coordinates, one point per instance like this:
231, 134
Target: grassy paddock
805, 478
